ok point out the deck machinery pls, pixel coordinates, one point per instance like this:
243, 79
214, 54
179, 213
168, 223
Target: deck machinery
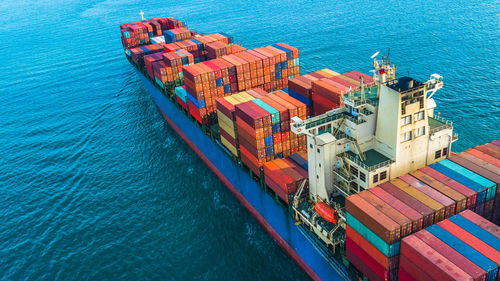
384, 130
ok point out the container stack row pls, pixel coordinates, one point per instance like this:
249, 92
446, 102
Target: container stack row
268, 68
226, 119
465, 246
484, 160
300, 87
263, 128
139, 33
323, 90
379, 217
284, 176
176, 34
219, 49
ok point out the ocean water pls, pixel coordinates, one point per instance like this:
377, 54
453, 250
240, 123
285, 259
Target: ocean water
94, 185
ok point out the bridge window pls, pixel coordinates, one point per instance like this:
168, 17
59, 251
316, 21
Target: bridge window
362, 176
406, 136
419, 116
354, 170
445, 151
437, 154
375, 178
383, 175
406, 120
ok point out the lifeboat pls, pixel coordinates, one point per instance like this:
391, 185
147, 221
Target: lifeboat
326, 212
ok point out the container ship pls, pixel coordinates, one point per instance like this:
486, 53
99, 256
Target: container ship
352, 174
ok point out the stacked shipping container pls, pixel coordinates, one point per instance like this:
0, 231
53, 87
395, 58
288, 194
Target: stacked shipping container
484, 160
377, 218
268, 68
258, 124
227, 119
464, 247
301, 87
284, 176
323, 90
139, 33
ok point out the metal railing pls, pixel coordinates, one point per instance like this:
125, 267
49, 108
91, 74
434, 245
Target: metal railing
446, 124
356, 120
367, 167
323, 120
358, 102
344, 176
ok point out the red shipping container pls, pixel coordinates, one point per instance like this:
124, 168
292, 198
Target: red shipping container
481, 222
415, 272
480, 162
484, 156
451, 254
329, 104
382, 272
380, 224
460, 199
476, 167
416, 218
431, 192
471, 240
388, 263
390, 212
467, 192
404, 276
435, 265
362, 266
424, 210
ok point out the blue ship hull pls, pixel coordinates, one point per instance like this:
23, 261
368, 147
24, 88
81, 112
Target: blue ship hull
272, 216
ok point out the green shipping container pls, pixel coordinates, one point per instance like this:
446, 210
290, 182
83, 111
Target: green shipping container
486, 183
387, 250
275, 114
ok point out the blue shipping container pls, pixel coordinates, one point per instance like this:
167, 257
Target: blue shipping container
481, 191
486, 183
477, 231
466, 251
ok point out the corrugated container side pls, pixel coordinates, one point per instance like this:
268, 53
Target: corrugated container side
481, 163
484, 182
424, 210
439, 209
481, 191
386, 262
466, 191
382, 272
404, 276
375, 240
379, 223
450, 205
463, 233
481, 222
395, 215
436, 265
448, 252
415, 217
480, 260
460, 199
361, 266
415, 272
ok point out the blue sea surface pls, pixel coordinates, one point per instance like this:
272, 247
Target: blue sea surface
94, 185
